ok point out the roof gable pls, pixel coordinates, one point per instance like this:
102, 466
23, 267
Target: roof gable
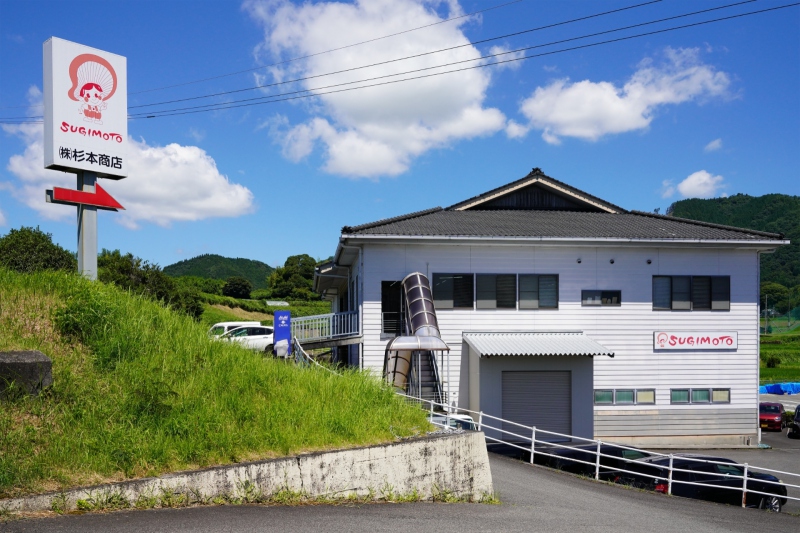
536, 191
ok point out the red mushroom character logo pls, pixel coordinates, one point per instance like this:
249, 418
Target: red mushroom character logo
661, 339
94, 82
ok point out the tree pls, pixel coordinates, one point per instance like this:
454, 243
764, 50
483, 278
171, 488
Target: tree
31, 250
294, 279
141, 277
237, 287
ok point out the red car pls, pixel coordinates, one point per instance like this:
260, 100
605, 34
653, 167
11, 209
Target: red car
772, 416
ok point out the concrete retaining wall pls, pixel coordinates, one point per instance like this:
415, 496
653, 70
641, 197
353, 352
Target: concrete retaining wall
454, 463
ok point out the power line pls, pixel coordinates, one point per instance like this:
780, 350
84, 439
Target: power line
223, 106
590, 45
515, 34
489, 56
331, 50
305, 56
587, 17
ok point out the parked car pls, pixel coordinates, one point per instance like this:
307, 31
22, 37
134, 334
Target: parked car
567, 459
794, 425
253, 337
772, 416
221, 328
720, 483
457, 421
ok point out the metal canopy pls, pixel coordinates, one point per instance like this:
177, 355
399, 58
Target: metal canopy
413, 343
529, 343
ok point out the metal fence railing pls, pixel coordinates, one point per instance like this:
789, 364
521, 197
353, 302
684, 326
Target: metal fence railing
527, 438
324, 327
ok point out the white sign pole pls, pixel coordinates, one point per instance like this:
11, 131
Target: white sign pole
87, 228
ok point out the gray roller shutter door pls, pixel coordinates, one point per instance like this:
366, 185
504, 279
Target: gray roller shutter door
541, 399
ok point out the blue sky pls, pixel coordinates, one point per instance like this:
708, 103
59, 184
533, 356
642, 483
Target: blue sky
704, 111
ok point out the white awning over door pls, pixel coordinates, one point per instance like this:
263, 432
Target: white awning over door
528, 343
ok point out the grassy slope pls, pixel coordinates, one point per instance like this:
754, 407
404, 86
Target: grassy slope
217, 267
139, 390
787, 348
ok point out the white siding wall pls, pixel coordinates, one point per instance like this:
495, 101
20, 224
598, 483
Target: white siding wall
628, 330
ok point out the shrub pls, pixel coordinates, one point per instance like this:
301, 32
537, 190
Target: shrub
260, 294
32, 250
207, 285
237, 287
140, 277
773, 361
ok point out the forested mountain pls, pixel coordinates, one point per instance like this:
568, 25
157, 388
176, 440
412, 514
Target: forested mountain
217, 267
776, 213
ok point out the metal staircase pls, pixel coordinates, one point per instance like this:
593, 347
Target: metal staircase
410, 362
424, 381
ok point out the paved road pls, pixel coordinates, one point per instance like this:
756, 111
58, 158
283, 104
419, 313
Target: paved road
789, 401
783, 455
534, 499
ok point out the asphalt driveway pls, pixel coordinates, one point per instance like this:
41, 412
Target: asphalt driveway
534, 499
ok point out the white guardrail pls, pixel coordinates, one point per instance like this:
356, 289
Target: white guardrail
325, 327
482, 425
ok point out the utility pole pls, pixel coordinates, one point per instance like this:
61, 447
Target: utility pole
766, 313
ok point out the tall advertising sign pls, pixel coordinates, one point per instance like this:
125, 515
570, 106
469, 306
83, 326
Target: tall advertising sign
85, 109
85, 132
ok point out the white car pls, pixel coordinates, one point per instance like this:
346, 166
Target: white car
254, 337
456, 421
220, 328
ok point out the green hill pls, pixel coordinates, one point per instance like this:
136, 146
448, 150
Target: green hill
777, 213
214, 266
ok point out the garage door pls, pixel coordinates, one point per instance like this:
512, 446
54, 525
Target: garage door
541, 399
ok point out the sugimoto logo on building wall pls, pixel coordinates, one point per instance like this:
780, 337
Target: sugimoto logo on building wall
86, 109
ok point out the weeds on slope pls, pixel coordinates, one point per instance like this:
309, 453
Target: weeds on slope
140, 390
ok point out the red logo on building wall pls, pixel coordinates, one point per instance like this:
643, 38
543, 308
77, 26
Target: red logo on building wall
662, 339
94, 82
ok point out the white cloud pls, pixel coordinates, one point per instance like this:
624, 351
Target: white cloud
713, 146
2, 219
700, 184
197, 134
515, 130
166, 183
667, 188
506, 56
376, 131
589, 110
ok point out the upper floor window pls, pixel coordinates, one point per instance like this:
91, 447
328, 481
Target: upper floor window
453, 291
601, 298
692, 292
538, 291
496, 291
391, 308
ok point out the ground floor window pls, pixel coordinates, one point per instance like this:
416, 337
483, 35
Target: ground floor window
624, 396
700, 396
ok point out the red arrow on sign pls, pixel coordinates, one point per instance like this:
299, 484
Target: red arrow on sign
100, 198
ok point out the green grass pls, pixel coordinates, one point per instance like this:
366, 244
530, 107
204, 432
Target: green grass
139, 390
786, 350
298, 308
213, 314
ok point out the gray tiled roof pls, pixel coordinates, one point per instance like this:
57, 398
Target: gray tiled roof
554, 224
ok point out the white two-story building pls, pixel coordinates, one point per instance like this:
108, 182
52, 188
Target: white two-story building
567, 312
